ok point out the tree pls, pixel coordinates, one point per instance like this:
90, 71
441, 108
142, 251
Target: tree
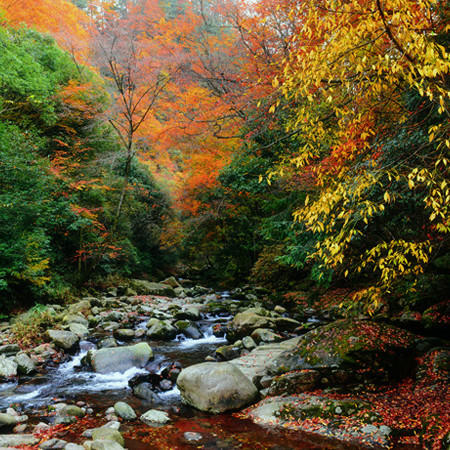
134, 55
352, 70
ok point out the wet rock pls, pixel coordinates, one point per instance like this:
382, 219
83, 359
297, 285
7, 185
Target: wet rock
191, 436
188, 329
125, 411
227, 352
9, 349
248, 343
144, 287
7, 420
165, 385
108, 434
215, 387
51, 444
63, 339
219, 330
120, 359
17, 440
160, 330
109, 342
8, 367
266, 336
146, 392
124, 334
80, 330
154, 416
188, 313
72, 411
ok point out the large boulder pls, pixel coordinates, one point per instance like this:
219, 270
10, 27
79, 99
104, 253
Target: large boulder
360, 349
144, 287
63, 339
120, 359
215, 387
160, 330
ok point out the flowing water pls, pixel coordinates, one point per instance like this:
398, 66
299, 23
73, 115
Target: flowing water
71, 382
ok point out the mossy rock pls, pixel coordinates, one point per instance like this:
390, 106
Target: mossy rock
363, 348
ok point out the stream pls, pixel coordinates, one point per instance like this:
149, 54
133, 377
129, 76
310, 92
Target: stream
71, 382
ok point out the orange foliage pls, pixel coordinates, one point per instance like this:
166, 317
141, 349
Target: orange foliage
61, 18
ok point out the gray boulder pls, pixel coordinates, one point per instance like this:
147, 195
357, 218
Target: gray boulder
8, 367
160, 330
125, 411
215, 387
108, 434
154, 416
63, 339
120, 359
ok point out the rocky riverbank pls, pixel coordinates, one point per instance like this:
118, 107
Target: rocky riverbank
355, 382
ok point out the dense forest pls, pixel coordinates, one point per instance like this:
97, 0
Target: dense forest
295, 153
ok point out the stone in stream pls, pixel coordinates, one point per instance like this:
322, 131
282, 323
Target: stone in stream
124, 334
146, 392
107, 343
108, 434
227, 352
188, 329
25, 365
64, 339
18, 440
160, 329
215, 387
8, 367
125, 411
154, 417
120, 359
